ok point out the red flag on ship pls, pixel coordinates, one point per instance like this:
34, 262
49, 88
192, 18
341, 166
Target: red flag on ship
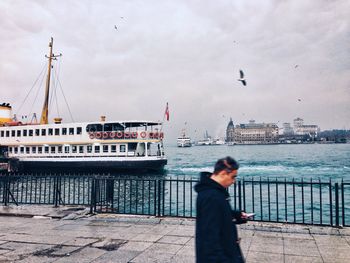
167, 112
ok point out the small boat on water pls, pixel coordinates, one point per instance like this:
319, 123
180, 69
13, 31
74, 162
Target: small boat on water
183, 140
122, 145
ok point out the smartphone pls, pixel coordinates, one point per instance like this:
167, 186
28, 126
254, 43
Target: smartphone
250, 215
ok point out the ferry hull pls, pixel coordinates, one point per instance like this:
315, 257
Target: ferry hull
91, 166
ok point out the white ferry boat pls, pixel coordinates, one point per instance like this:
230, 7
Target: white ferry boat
183, 140
88, 146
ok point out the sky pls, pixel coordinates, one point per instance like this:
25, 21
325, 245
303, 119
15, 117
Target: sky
127, 59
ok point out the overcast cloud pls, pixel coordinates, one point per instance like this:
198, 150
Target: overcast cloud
187, 53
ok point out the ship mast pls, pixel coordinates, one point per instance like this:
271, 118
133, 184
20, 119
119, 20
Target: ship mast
45, 111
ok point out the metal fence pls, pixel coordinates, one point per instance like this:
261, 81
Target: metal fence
288, 201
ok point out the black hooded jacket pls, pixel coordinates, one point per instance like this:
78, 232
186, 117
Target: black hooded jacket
216, 233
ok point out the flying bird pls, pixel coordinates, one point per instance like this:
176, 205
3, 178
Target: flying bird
296, 66
241, 79
299, 99
116, 28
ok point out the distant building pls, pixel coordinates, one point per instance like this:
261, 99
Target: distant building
287, 129
256, 133
301, 129
230, 132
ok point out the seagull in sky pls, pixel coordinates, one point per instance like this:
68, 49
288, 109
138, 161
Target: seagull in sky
296, 66
116, 28
299, 99
241, 75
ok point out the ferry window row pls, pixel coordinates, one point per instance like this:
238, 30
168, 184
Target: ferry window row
67, 149
41, 132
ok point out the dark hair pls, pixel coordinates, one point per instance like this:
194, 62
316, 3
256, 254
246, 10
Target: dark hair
225, 163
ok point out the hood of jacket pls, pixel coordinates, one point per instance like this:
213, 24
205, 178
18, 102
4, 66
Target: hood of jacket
206, 183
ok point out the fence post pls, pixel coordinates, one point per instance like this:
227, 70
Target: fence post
239, 195
336, 205
56, 191
92, 196
342, 203
159, 196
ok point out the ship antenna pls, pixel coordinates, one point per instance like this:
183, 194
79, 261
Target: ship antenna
45, 110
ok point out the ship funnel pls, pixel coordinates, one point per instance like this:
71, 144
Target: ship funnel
103, 118
5, 113
57, 120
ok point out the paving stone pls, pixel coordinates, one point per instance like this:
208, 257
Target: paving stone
301, 259
147, 237
149, 257
118, 256
86, 254
174, 240
335, 254
266, 247
81, 241
164, 248
186, 251
183, 259
136, 246
260, 257
302, 250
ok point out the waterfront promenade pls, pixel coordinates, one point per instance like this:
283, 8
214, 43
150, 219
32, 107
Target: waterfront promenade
69, 234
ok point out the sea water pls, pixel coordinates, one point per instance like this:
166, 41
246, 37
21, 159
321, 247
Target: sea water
298, 161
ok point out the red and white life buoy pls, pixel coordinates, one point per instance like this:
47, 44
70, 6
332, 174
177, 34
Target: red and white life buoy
143, 134
92, 135
134, 135
126, 135
105, 135
161, 135
112, 135
98, 135
119, 134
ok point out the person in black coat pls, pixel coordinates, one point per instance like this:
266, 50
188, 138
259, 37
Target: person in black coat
216, 232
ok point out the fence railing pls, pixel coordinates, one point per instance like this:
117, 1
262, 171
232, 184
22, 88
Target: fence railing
288, 201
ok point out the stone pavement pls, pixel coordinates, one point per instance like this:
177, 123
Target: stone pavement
47, 234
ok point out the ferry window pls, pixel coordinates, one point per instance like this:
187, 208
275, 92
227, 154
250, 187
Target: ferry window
46, 149
81, 149
7, 133
16, 150
74, 149
22, 149
37, 132
66, 149
105, 148
89, 148
132, 147
53, 149
18, 133
57, 131
43, 132
64, 131
71, 131
93, 127
122, 148
30, 132
13, 133
27, 149
79, 130
34, 149
10, 149
50, 132
24, 132
40, 149
97, 149
2, 133
59, 149
113, 148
